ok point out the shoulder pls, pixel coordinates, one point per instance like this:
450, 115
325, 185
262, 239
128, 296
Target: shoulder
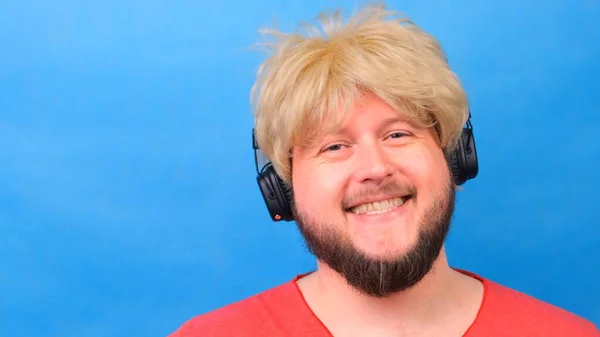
255, 313
511, 310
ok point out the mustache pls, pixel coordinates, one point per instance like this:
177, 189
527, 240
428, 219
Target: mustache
391, 189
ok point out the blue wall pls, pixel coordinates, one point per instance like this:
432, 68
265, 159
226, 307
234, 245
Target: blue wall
128, 201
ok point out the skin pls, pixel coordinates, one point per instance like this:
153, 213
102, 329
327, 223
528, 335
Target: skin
376, 146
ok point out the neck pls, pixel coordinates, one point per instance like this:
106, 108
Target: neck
441, 291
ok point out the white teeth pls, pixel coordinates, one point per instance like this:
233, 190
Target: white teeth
377, 207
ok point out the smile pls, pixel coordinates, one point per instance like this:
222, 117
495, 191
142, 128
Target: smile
378, 207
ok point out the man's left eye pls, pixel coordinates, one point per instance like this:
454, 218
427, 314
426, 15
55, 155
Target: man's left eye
397, 135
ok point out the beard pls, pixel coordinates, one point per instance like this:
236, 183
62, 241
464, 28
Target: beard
380, 277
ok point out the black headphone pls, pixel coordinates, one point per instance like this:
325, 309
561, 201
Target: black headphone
278, 195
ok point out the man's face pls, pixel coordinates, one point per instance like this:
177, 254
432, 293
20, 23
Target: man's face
374, 199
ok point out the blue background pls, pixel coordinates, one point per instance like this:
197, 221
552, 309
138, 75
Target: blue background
128, 201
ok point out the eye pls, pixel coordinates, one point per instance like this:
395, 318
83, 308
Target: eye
397, 134
334, 147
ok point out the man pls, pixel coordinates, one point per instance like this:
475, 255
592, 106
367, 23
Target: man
364, 132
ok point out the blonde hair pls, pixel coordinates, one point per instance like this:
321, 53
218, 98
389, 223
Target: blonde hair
306, 76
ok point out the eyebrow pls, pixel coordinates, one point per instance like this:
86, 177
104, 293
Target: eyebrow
392, 120
386, 122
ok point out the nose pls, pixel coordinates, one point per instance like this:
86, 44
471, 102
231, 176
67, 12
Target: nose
372, 164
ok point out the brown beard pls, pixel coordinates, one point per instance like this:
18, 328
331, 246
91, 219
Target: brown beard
381, 277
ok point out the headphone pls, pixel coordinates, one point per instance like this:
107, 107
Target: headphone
278, 195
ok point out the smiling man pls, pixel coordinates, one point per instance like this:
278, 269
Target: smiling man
364, 129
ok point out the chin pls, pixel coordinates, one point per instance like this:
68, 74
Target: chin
386, 249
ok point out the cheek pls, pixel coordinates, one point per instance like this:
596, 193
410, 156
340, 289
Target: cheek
319, 192
426, 170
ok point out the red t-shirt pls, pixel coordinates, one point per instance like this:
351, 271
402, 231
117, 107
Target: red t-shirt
282, 311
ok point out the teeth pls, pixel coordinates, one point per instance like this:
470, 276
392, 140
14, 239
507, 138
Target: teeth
377, 207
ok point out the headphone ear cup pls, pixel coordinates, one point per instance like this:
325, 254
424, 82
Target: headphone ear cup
471, 162
287, 192
463, 162
276, 194
455, 165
